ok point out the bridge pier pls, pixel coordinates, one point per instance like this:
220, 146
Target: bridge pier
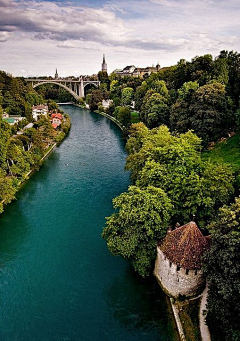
81, 88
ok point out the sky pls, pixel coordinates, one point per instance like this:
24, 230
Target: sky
37, 36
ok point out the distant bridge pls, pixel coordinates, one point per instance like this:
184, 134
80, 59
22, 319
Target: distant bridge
74, 87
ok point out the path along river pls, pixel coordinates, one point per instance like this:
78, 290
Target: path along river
58, 281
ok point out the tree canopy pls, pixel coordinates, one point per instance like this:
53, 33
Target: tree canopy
221, 265
170, 166
141, 219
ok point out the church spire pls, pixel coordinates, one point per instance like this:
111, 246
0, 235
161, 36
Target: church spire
56, 74
104, 64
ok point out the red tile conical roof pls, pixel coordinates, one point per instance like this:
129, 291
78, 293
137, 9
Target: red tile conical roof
184, 246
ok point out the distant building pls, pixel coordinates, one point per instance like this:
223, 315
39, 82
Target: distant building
56, 120
11, 119
106, 103
104, 64
134, 71
56, 75
178, 265
39, 110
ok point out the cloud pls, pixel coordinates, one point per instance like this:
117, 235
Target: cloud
5, 3
62, 21
138, 32
67, 45
165, 25
185, 3
4, 36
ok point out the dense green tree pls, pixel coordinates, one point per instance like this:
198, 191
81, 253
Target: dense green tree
103, 78
1, 99
187, 90
52, 105
21, 153
141, 219
221, 265
14, 94
33, 98
201, 68
114, 86
103, 87
181, 73
123, 115
7, 189
207, 110
127, 96
174, 164
211, 112
139, 95
160, 87
220, 71
5, 133
96, 98
88, 98
233, 85
154, 110
17, 159
180, 114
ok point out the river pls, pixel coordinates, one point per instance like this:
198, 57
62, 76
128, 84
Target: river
58, 281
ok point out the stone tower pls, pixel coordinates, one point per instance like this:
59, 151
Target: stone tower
178, 264
104, 64
56, 74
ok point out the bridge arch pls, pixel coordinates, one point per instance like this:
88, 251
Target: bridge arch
90, 83
59, 84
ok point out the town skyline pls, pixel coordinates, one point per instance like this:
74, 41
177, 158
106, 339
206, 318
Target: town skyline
73, 36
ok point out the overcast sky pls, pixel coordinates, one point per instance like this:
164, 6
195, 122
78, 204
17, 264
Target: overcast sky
36, 37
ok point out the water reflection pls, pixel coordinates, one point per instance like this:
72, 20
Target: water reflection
14, 234
140, 304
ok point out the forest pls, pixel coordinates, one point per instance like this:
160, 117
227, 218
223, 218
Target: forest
22, 153
184, 111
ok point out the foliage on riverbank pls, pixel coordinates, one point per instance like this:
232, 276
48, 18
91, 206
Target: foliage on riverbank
189, 186
66, 126
17, 96
221, 265
202, 95
22, 149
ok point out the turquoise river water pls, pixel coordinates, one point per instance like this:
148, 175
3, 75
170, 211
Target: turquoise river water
58, 281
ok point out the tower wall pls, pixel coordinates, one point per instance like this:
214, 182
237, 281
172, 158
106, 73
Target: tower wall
177, 281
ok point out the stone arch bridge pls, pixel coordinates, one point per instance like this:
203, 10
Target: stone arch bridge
74, 87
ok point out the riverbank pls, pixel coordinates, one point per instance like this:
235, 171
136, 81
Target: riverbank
30, 162
27, 176
100, 113
50, 149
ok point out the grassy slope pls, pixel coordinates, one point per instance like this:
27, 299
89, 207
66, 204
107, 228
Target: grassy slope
189, 316
227, 151
135, 117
